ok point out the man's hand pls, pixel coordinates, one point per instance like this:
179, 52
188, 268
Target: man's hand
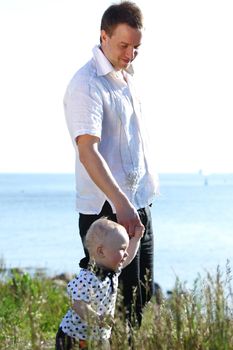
128, 217
139, 232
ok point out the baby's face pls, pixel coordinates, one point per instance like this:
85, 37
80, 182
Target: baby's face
115, 249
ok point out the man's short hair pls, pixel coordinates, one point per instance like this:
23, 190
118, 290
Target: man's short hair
126, 12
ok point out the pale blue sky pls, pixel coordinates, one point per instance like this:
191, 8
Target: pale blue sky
184, 71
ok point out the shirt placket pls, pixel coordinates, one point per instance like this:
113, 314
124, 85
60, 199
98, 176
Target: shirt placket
132, 175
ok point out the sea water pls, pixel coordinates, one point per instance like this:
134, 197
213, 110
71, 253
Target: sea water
192, 219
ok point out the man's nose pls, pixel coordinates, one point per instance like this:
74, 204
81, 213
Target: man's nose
131, 53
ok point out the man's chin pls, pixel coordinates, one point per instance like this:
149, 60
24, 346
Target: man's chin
124, 64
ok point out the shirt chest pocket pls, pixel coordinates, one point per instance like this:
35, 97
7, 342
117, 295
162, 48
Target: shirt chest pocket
121, 108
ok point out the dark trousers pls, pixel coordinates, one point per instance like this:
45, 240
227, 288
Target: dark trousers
136, 280
65, 342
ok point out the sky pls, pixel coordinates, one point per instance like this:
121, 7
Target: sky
184, 74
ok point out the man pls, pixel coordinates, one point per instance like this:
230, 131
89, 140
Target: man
113, 174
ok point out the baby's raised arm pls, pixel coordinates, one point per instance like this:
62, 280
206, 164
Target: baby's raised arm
134, 243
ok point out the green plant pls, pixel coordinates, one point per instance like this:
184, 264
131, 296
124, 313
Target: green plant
197, 318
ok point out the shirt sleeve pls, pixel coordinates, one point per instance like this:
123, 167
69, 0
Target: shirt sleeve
82, 287
83, 105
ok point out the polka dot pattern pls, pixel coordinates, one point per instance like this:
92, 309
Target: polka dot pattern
89, 288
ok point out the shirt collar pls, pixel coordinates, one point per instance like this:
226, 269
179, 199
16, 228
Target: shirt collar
99, 271
103, 65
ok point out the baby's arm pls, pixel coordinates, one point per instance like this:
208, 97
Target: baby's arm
88, 314
134, 243
80, 290
85, 311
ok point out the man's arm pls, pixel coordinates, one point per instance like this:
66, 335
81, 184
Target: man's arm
100, 173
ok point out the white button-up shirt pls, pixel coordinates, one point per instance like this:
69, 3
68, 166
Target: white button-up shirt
99, 101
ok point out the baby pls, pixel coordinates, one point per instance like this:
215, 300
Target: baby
94, 290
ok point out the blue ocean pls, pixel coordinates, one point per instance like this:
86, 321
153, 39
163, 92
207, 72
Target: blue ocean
192, 217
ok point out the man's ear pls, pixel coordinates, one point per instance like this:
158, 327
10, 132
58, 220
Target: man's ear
100, 251
103, 36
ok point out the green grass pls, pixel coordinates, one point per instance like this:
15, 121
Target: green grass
198, 318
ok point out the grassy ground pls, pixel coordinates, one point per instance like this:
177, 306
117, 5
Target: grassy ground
200, 318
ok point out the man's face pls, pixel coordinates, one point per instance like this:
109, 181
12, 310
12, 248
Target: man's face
121, 47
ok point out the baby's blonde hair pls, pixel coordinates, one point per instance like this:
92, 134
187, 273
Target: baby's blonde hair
98, 232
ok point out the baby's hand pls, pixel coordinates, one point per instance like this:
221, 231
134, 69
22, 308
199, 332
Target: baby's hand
106, 321
139, 231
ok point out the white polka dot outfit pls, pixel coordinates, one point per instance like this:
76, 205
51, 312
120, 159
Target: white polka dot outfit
100, 294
